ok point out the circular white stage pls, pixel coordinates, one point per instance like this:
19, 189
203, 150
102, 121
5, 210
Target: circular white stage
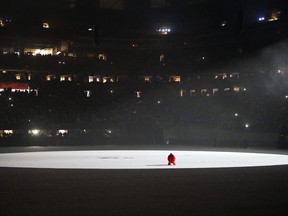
113, 159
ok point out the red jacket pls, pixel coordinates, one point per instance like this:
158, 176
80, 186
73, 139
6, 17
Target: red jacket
171, 158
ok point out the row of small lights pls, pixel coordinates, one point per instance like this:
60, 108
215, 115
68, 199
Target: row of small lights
108, 132
37, 132
137, 93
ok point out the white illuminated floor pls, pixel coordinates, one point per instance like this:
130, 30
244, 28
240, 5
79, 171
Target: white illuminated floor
137, 159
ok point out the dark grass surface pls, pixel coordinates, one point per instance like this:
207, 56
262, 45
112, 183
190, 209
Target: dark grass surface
227, 191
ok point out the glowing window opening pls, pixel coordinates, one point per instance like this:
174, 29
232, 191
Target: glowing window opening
45, 25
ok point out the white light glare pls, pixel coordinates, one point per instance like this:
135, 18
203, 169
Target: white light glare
8, 132
137, 159
63, 131
45, 25
223, 23
164, 30
35, 132
260, 19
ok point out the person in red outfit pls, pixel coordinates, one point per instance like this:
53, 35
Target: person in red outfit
171, 159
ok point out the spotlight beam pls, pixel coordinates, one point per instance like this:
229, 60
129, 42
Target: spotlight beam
148, 159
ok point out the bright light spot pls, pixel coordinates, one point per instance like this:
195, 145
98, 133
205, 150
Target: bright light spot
34, 132
162, 56
247, 125
223, 23
8, 132
108, 132
62, 132
215, 90
88, 93
2, 24
175, 79
286, 97
102, 56
138, 94
45, 25
260, 19
90, 29
236, 114
158, 102
46, 51
18, 77
65, 78
147, 79
182, 92
275, 15
164, 30
236, 89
